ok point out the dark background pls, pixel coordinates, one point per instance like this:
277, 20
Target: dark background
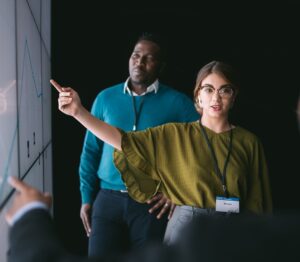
91, 44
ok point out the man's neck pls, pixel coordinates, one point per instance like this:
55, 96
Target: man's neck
138, 89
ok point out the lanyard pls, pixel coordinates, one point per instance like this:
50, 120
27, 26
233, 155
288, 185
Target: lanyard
136, 111
217, 169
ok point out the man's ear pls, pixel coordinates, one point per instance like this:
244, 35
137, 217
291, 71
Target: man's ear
162, 67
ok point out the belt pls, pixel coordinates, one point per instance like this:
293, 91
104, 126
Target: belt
115, 191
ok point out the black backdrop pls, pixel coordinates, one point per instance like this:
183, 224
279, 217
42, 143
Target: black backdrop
91, 44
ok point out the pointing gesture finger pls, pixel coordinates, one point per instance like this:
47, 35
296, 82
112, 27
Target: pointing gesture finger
68, 100
17, 184
25, 194
57, 86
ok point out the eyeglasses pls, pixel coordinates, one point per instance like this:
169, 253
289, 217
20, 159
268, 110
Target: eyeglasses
224, 92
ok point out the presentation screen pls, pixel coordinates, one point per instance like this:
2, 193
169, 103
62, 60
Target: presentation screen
25, 94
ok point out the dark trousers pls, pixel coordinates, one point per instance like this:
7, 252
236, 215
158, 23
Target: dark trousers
120, 224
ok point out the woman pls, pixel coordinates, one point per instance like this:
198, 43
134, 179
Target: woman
205, 167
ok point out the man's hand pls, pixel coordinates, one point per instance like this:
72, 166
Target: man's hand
161, 202
68, 101
24, 195
85, 215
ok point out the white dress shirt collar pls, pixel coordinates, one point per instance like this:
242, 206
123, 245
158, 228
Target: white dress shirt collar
151, 88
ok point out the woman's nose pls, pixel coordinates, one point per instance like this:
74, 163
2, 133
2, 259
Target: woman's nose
216, 96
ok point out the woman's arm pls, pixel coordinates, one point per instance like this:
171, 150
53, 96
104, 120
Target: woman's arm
69, 103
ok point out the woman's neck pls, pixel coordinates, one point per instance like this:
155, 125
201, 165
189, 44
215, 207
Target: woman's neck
215, 124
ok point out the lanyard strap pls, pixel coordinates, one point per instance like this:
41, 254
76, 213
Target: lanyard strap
217, 169
136, 112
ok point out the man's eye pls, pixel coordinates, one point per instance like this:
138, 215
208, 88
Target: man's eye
151, 58
134, 55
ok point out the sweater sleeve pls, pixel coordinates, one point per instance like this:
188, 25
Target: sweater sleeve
90, 159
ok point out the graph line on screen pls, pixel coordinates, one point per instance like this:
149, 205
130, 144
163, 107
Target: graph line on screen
39, 94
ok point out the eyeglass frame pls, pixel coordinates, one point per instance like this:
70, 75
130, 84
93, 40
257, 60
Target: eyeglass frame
223, 95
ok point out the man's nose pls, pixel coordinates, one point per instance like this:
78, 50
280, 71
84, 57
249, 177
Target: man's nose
140, 61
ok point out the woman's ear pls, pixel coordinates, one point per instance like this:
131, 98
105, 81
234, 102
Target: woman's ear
232, 102
199, 101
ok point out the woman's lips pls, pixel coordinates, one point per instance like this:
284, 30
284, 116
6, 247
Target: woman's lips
216, 107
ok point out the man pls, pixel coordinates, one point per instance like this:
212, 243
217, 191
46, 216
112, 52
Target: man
32, 236
118, 223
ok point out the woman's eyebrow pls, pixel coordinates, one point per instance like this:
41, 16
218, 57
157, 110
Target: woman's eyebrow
227, 85
208, 85
222, 86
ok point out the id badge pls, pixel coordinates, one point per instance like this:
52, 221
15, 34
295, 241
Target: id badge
228, 204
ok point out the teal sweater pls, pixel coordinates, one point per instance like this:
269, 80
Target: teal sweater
115, 107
